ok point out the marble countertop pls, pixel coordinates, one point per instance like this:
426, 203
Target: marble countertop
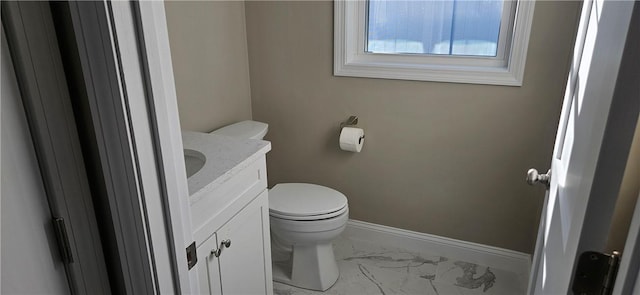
225, 155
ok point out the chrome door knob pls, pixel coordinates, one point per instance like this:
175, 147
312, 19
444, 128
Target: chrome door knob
534, 177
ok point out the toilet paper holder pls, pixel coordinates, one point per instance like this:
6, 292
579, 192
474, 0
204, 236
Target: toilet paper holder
352, 121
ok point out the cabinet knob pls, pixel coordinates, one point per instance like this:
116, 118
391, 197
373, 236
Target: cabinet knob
223, 244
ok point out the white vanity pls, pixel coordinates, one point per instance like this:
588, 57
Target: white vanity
230, 213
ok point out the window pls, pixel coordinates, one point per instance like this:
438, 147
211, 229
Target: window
463, 41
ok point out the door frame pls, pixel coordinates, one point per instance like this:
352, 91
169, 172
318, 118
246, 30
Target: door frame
152, 28
628, 279
126, 65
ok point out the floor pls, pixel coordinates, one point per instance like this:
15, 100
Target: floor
366, 268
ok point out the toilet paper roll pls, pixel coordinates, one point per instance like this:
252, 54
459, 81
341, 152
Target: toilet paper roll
351, 139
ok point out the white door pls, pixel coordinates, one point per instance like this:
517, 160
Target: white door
31, 263
564, 232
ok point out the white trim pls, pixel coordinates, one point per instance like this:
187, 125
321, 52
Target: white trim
351, 60
447, 247
160, 78
141, 121
143, 164
628, 280
121, 199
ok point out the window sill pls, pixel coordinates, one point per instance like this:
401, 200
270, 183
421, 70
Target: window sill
436, 73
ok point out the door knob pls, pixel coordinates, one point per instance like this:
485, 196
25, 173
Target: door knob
534, 177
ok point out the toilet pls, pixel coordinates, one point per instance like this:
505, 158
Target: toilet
305, 218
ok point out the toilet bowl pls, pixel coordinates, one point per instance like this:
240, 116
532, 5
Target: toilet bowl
304, 218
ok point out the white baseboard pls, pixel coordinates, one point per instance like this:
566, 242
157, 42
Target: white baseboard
451, 248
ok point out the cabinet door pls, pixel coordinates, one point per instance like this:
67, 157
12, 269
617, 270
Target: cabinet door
208, 268
245, 267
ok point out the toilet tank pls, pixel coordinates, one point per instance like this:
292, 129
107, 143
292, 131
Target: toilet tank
245, 129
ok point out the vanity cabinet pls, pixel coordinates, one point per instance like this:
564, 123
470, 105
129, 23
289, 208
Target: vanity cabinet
235, 258
230, 216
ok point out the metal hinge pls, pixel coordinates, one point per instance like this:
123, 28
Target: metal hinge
596, 273
192, 256
63, 240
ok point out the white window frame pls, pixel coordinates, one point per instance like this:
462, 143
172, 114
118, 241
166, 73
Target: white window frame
507, 68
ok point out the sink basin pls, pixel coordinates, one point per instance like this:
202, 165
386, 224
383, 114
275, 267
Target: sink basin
194, 161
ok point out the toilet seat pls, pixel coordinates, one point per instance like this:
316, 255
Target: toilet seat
305, 202
310, 217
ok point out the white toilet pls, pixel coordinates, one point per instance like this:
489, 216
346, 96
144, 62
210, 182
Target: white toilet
305, 219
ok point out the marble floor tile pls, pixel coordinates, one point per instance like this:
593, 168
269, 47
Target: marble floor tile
488, 280
367, 268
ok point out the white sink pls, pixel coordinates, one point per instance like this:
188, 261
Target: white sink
194, 161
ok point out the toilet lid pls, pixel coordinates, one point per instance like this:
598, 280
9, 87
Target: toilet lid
305, 200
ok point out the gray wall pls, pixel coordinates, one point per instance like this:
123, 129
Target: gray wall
440, 158
209, 54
